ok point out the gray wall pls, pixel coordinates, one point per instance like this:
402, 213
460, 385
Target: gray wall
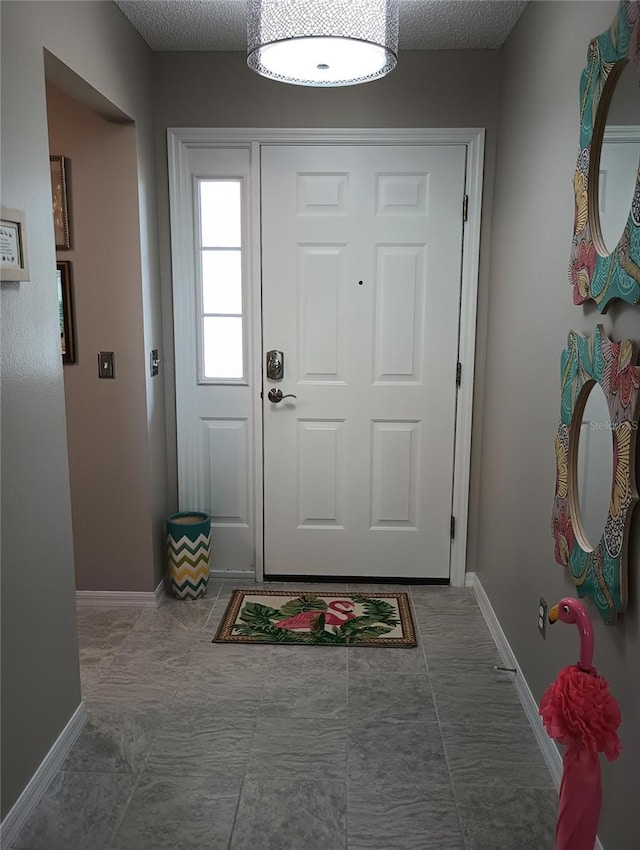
530, 313
106, 420
40, 681
446, 88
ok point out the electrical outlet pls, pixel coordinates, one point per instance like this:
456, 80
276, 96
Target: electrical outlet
542, 618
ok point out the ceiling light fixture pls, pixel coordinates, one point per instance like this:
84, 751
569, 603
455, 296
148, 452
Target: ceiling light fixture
322, 43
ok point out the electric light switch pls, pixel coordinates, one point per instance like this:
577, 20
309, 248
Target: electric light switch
106, 364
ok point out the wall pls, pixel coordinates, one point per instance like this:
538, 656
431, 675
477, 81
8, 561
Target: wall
530, 313
441, 89
40, 679
106, 420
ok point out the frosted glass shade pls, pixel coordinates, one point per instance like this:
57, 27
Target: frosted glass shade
322, 42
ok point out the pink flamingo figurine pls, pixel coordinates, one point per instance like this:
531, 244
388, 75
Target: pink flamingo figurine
570, 610
579, 712
339, 611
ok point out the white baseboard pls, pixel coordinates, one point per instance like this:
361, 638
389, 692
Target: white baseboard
547, 746
27, 801
120, 598
234, 575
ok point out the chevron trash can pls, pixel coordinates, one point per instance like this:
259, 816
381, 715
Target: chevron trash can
189, 551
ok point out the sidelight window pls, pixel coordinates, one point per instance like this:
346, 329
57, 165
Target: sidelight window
222, 312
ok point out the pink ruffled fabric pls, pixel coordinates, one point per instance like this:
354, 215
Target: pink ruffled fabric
578, 710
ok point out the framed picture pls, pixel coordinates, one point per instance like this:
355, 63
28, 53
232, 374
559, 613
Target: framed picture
65, 312
14, 262
58, 166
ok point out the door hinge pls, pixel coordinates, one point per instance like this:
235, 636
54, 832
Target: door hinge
452, 527
458, 374
465, 207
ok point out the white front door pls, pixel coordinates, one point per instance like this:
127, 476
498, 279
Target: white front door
361, 270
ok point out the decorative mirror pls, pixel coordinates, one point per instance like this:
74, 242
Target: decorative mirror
605, 249
595, 466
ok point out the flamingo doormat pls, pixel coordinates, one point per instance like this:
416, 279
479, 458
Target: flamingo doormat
317, 619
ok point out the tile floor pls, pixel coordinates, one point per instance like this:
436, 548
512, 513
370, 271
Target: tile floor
191, 745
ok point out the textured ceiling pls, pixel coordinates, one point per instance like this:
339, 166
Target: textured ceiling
221, 24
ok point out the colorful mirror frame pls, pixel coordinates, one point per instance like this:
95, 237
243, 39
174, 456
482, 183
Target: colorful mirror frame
592, 275
601, 573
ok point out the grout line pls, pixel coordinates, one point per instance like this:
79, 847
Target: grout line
249, 751
117, 649
213, 607
124, 811
346, 777
242, 783
444, 749
87, 696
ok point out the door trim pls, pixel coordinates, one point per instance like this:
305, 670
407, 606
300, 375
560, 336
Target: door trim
179, 139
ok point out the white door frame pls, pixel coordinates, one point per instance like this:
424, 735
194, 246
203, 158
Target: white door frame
181, 139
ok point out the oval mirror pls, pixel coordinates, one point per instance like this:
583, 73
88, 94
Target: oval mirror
594, 468
615, 154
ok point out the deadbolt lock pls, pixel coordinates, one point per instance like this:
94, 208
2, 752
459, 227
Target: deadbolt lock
275, 365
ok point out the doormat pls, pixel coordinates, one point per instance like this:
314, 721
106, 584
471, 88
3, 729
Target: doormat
317, 619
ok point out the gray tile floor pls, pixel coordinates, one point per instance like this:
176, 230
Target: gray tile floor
198, 746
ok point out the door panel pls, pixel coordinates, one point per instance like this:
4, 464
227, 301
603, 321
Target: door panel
320, 485
361, 258
399, 312
214, 416
394, 447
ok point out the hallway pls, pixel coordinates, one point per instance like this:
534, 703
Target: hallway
198, 746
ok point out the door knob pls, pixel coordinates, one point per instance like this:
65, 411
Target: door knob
275, 395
